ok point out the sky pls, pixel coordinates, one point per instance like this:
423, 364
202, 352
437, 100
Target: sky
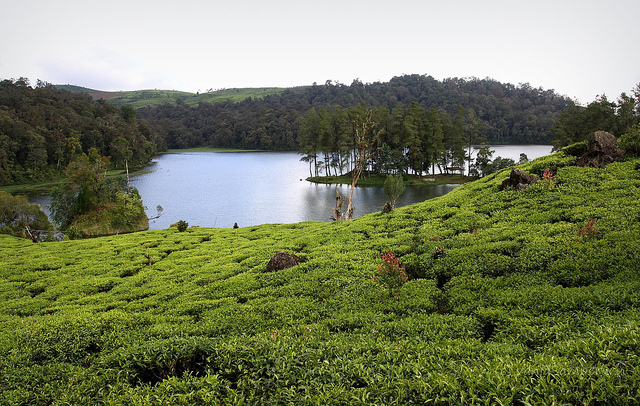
579, 48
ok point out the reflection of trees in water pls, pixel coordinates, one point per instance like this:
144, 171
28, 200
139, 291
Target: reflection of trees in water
318, 200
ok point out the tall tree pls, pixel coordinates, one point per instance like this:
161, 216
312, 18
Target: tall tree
366, 133
311, 138
454, 140
433, 143
415, 125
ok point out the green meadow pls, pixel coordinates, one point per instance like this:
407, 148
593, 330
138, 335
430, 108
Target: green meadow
514, 297
154, 97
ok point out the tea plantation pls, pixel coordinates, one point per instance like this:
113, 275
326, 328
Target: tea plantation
514, 297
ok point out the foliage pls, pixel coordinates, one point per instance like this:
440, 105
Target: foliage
482, 166
393, 189
590, 230
93, 205
391, 275
505, 303
503, 113
182, 226
43, 129
18, 216
630, 141
73, 233
578, 123
549, 179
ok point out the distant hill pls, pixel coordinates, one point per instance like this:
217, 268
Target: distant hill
154, 97
269, 118
43, 129
75, 89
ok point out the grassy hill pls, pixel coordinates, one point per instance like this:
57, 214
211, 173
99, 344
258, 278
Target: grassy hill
154, 97
514, 297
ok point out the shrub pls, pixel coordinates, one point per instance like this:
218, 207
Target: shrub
549, 179
390, 274
589, 230
576, 150
630, 141
17, 214
182, 225
73, 233
393, 188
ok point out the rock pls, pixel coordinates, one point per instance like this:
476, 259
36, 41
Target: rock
519, 180
601, 151
283, 260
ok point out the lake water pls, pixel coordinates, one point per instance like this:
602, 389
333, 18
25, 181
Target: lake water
218, 189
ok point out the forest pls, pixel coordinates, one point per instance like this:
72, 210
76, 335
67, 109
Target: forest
505, 113
43, 129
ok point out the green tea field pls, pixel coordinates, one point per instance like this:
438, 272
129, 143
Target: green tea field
513, 297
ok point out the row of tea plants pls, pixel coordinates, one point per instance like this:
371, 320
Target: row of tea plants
512, 297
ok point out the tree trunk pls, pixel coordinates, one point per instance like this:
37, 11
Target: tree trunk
348, 215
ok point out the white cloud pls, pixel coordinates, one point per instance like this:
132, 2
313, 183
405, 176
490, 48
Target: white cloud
103, 69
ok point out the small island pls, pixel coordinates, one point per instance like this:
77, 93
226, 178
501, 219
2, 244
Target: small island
409, 180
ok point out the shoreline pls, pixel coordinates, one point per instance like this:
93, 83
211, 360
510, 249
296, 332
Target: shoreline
378, 180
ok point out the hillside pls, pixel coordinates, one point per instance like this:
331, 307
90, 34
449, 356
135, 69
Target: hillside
505, 113
43, 129
514, 297
155, 97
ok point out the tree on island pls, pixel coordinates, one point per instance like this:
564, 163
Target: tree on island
20, 218
89, 202
366, 133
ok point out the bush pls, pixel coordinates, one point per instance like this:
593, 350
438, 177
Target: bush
73, 233
576, 150
393, 189
182, 225
17, 214
390, 274
630, 141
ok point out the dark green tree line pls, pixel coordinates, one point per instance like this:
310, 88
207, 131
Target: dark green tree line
578, 123
503, 113
412, 140
43, 129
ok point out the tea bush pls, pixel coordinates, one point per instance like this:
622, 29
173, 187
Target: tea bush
506, 302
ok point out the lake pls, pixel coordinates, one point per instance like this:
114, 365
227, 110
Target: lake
218, 189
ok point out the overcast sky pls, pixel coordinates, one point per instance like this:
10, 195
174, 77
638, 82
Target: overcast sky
579, 48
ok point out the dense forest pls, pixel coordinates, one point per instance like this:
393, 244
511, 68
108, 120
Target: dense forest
43, 129
505, 113
577, 123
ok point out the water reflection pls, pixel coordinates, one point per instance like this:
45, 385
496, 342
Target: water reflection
250, 188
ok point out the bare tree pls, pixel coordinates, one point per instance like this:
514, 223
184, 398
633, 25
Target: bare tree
366, 134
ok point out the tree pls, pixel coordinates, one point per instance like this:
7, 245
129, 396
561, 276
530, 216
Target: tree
482, 167
415, 125
454, 140
578, 123
84, 188
434, 138
366, 133
311, 133
393, 189
630, 141
23, 219
471, 131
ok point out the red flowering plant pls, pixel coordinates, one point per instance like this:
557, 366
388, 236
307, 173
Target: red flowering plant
589, 230
391, 275
549, 179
